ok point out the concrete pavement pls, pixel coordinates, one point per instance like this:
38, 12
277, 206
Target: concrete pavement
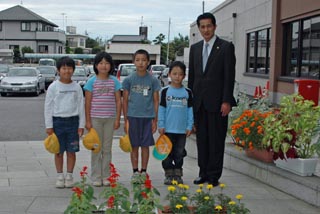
27, 179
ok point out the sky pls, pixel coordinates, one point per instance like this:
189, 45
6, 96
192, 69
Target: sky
105, 18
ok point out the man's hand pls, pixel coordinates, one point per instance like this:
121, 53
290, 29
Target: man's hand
225, 109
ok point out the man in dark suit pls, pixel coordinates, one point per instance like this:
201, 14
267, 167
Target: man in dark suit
211, 78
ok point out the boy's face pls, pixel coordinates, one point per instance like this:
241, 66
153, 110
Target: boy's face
176, 75
141, 62
66, 73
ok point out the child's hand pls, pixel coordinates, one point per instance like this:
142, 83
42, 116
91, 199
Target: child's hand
49, 131
116, 124
88, 125
161, 131
126, 126
80, 131
154, 126
188, 133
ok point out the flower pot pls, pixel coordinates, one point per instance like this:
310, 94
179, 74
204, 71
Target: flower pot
299, 166
261, 155
166, 210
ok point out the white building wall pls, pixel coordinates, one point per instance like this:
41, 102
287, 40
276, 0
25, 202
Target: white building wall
251, 15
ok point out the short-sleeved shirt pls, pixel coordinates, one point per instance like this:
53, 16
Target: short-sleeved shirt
103, 103
141, 89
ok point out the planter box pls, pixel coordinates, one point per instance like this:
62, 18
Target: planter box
261, 155
299, 166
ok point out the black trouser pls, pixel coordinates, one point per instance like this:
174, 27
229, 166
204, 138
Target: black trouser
178, 152
211, 134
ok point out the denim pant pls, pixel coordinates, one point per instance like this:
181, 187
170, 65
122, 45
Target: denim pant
178, 152
100, 162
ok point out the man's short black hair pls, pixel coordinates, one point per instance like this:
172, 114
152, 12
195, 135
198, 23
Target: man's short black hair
206, 16
141, 51
66, 61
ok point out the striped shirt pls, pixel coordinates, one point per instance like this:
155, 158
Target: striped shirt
103, 103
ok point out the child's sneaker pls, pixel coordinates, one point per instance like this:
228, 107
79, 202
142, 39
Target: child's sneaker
97, 183
60, 181
68, 181
178, 179
135, 178
168, 180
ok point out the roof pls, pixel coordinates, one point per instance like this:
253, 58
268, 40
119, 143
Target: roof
128, 38
19, 13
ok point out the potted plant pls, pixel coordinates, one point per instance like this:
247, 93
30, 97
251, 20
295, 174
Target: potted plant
289, 131
247, 131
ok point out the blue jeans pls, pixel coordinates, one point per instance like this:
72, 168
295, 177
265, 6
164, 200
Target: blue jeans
66, 129
178, 152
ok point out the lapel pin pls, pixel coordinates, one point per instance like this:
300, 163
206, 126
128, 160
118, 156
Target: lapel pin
218, 47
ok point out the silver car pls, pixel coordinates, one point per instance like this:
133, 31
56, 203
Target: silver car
22, 80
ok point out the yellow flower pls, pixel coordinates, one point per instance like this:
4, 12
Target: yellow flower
171, 188
200, 185
206, 198
174, 182
199, 190
232, 203
184, 198
239, 196
222, 185
209, 186
186, 186
179, 206
181, 186
218, 207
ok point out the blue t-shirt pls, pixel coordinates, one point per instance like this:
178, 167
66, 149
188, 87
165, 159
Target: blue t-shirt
141, 89
175, 111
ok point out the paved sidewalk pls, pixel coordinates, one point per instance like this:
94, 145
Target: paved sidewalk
27, 178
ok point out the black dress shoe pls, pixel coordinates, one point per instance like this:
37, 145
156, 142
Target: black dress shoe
199, 180
213, 182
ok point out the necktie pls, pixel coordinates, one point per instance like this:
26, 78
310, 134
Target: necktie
205, 56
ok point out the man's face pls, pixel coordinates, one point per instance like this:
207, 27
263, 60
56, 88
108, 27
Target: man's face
207, 29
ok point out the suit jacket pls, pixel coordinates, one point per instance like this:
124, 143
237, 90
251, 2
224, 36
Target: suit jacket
215, 85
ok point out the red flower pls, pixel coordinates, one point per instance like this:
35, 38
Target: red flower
110, 202
292, 153
144, 194
78, 191
84, 171
147, 183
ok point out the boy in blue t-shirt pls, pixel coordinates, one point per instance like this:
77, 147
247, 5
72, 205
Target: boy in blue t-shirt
175, 119
140, 110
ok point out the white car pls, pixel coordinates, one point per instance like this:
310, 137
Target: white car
22, 80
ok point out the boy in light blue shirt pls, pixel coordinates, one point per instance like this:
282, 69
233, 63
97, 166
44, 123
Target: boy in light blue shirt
175, 119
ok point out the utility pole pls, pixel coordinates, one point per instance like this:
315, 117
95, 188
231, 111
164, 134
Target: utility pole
202, 6
63, 21
168, 41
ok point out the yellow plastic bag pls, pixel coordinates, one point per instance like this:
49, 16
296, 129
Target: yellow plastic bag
91, 141
51, 143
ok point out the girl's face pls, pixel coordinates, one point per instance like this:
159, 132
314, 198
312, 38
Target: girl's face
176, 76
65, 73
103, 67
141, 62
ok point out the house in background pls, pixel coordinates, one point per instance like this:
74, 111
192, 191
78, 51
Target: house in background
122, 47
275, 40
20, 27
76, 40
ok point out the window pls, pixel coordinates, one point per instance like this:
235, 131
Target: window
43, 49
81, 42
302, 48
0, 26
258, 51
26, 26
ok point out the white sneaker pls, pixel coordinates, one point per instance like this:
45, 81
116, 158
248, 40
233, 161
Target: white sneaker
60, 181
135, 178
68, 181
97, 183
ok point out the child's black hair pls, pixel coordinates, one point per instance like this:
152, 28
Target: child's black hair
99, 57
66, 61
178, 64
141, 51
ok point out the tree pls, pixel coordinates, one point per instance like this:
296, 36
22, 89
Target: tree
91, 43
179, 43
26, 49
78, 50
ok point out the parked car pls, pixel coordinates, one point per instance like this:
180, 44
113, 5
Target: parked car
80, 75
125, 70
22, 80
4, 69
156, 69
50, 62
49, 73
